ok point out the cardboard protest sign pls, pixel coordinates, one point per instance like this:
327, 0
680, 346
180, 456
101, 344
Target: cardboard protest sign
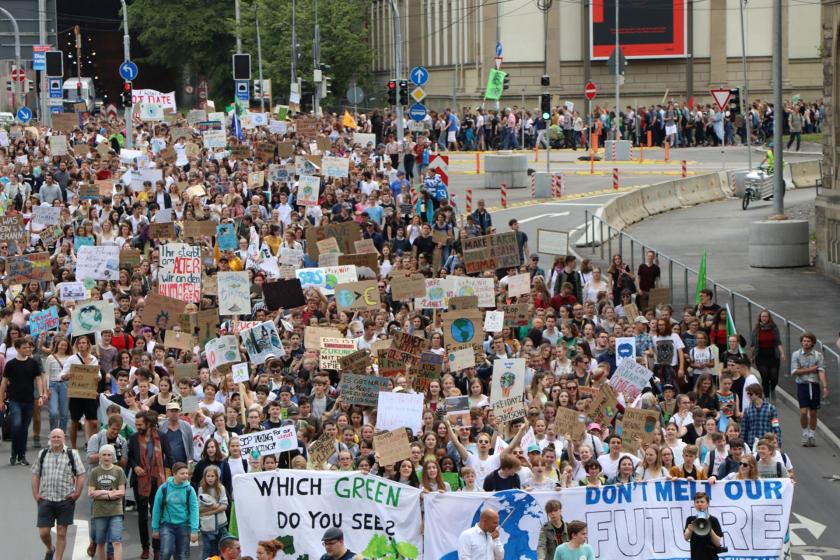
42, 321
362, 389
269, 442
328, 245
399, 410
358, 361
91, 317
222, 351
392, 362
491, 252
335, 166
164, 230
590, 393
286, 149
161, 311
357, 295
494, 321
196, 229
306, 127
178, 339
179, 275
23, 268
458, 411
519, 284
345, 234
333, 349
516, 315
321, 450
392, 446
365, 246
568, 421
234, 293
463, 327
411, 344
507, 389
265, 150
428, 368
89, 191
630, 378
659, 296
256, 179
262, 342
461, 359
186, 371
630, 311
639, 423
407, 287
309, 189
282, 293
457, 303
11, 228
64, 122
312, 336
84, 381
206, 323
604, 407
361, 261
97, 262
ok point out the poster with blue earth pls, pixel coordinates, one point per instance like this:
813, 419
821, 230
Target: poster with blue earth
463, 327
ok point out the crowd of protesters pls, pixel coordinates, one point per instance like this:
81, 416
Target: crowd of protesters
173, 469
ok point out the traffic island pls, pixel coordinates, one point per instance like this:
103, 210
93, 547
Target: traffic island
779, 243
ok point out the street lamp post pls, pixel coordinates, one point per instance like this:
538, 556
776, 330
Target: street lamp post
15, 92
129, 132
398, 65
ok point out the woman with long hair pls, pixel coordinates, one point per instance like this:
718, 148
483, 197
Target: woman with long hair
650, 467
267, 550
747, 469
59, 401
718, 332
212, 510
211, 455
767, 351
432, 480
626, 472
404, 473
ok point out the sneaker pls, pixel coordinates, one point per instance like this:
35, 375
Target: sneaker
22, 461
812, 442
806, 442
13, 460
36, 442
145, 554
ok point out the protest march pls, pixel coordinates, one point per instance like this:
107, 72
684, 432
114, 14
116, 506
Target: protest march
293, 329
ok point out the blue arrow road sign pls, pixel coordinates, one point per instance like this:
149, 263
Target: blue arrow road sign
419, 75
128, 71
24, 114
498, 48
417, 112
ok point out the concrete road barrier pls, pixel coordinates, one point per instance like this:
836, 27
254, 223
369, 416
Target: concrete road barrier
805, 173
508, 168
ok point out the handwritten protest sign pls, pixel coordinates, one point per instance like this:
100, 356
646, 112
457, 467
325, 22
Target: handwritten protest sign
392, 446
222, 351
97, 262
507, 389
398, 410
322, 449
358, 361
357, 295
393, 362
11, 228
42, 321
494, 321
161, 311
46, 215
34, 266
178, 339
407, 287
630, 378
196, 229
186, 371
519, 284
362, 389
84, 380
333, 349
604, 407
461, 359
234, 293
180, 272
639, 423
91, 317
345, 235
308, 190
491, 252
312, 336
568, 421
269, 442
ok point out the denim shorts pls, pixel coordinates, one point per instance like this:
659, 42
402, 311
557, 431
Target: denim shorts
108, 529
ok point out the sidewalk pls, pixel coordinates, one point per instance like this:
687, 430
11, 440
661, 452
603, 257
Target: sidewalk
802, 295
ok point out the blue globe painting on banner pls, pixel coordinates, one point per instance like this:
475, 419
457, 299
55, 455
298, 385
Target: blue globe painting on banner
520, 520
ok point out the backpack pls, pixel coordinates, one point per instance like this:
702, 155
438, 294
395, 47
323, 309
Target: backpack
43, 455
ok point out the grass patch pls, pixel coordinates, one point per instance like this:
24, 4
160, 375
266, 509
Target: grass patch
813, 137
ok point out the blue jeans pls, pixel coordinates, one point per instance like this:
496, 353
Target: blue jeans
210, 541
174, 541
59, 405
21, 416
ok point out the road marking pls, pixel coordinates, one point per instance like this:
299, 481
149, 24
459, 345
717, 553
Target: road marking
81, 539
573, 203
539, 216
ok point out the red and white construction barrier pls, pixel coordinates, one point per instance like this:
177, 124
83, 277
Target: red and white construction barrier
615, 178
504, 195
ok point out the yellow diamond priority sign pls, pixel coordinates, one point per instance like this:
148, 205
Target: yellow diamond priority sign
418, 94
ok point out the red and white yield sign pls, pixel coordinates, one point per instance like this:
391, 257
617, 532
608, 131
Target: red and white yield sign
721, 97
18, 75
590, 90
440, 165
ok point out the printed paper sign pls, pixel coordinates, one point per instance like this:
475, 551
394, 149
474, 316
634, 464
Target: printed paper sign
72, 291
262, 342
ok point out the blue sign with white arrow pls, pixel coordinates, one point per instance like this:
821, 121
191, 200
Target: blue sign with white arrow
419, 75
24, 114
128, 71
417, 112
498, 48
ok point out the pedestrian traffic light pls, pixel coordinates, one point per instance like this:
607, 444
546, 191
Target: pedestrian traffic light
242, 67
545, 106
506, 82
735, 101
325, 85
127, 94
403, 92
54, 64
545, 81
392, 92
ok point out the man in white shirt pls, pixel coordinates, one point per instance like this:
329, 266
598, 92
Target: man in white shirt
481, 542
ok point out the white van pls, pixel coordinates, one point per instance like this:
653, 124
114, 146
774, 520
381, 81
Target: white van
79, 90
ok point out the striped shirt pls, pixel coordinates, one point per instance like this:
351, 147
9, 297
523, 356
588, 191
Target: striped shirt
57, 481
801, 359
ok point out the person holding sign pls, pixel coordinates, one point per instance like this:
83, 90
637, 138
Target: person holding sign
79, 407
21, 377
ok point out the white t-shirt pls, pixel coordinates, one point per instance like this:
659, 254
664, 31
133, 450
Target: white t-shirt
212, 408
609, 466
483, 468
666, 349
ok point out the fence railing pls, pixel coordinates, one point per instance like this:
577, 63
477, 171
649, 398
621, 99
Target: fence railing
601, 238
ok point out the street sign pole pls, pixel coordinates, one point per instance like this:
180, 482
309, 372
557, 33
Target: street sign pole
398, 67
129, 132
617, 71
17, 53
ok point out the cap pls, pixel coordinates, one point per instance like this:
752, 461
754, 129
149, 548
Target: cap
285, 389
740, 360
292, 410
593, 426
173, 405
668, 386
535, 257
641, 319
333, 534
534, 448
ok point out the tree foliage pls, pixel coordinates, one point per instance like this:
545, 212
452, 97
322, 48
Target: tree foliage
200, 35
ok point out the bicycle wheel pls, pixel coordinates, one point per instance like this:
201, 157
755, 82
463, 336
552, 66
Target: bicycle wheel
745, 200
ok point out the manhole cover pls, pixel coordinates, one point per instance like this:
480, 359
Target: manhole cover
815, 551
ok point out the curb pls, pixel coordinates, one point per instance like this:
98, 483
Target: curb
826, 432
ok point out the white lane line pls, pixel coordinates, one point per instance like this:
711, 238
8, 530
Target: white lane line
81, 539
540, 216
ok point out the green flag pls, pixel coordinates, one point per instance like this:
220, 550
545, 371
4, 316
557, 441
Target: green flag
701, 279
495, 84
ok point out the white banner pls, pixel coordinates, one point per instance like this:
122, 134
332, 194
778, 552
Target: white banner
296, 507
143, 96
644, 520
98, 262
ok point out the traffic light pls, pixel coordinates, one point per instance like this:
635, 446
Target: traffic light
325, 86
54, 64
127, 95
392, 92
242, 67
735, 101
545, 106
506, 81
545, 81
403, 92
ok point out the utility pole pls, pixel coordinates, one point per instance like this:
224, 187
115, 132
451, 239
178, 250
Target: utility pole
259, 56
498, 35
78, 32
617, 70
398, 65
294, 47
778, 113
15, 93
316, 56
745, 93
129, 133
238, 32
42, 38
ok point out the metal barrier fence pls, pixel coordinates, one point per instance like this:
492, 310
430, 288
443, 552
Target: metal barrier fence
601, 239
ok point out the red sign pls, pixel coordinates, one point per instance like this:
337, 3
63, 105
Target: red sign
18, 75
590, 90
440, 164
721, 97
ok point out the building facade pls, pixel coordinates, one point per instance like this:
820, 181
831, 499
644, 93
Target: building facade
456, 40
828, 198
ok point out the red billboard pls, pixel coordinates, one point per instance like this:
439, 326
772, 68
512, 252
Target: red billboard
649, 28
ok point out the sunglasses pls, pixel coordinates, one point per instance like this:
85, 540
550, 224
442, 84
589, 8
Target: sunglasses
745, 464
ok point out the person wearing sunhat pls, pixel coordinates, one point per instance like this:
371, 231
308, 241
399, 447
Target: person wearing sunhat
333, 541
